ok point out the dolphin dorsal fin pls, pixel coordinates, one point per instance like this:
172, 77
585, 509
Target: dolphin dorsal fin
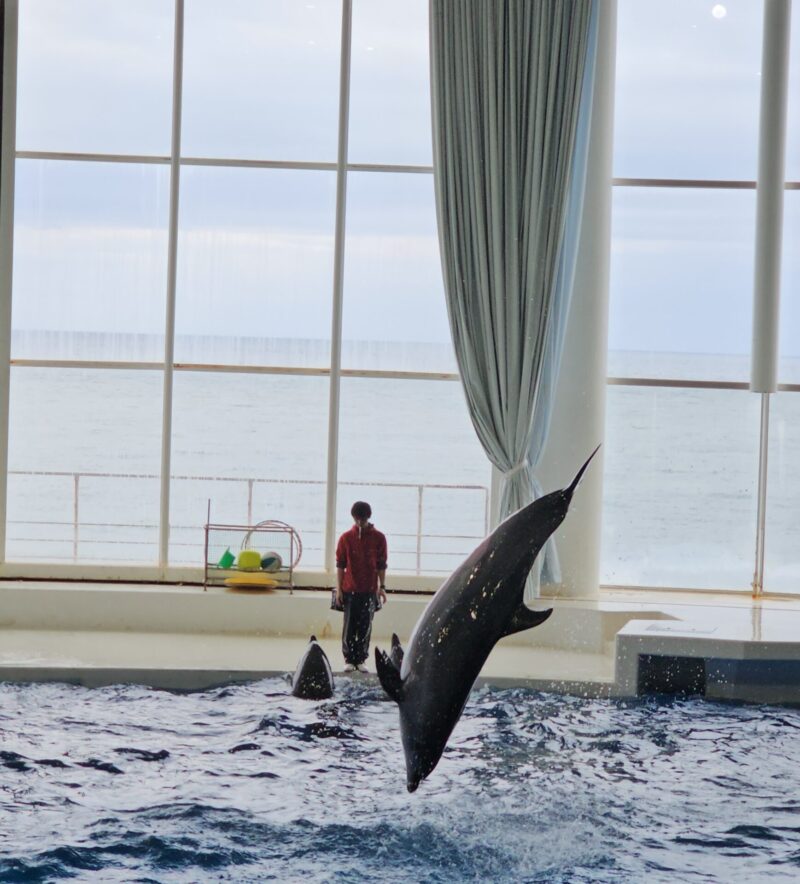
388, 675
523, 618
396, 654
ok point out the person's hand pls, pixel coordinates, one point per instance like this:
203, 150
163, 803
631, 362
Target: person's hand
382, 595
339, 596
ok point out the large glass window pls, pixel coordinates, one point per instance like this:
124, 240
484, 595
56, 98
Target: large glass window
687, 94
84, 461
682, 283
89, 283
90, 258
682, 432
95, 76
789, 371
681, 469
261, 79
255, 257
409, 448
394, 308
226, 258
266, 261
390, 97
782, 563
255, 446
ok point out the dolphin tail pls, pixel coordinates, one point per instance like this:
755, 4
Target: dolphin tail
570, 491
388, 675
524, 618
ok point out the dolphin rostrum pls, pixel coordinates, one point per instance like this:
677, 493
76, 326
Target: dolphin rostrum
313, 678
480, 603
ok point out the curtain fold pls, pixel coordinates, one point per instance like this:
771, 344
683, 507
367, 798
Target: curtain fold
511, 85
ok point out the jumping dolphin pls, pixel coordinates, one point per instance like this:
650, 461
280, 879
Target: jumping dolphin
480, 603
313, 678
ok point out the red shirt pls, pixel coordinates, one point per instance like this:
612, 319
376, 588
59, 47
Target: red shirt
361, 553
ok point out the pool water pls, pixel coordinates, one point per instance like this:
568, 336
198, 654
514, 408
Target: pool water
248, 783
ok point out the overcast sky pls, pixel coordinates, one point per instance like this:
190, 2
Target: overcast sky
256, 246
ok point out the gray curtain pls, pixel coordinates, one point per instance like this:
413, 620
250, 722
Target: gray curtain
511, 84
2, 44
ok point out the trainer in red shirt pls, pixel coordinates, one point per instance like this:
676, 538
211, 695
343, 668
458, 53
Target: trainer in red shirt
361, 556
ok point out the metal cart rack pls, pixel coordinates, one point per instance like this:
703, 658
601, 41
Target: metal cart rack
270, 535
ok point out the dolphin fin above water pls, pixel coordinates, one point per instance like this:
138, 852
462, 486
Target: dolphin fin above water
388, 668
480, 603
389, 675
396, 654
524, 618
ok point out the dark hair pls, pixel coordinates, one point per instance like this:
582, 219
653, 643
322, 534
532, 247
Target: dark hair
361, 510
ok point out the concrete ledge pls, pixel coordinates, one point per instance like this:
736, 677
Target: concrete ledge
181, 637
586, 627
192, 662
162, 660
188, 638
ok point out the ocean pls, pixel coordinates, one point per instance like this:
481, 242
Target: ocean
680, 474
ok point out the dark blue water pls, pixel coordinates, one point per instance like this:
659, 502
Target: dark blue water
250, 784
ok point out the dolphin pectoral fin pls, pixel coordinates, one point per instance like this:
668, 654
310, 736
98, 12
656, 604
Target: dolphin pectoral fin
524, 618
388, 675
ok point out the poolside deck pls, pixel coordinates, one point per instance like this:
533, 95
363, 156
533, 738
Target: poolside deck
191, 662
187, 639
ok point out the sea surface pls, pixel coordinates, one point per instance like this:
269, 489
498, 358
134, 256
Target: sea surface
249, 784
680, 464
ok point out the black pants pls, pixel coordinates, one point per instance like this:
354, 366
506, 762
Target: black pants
359, 609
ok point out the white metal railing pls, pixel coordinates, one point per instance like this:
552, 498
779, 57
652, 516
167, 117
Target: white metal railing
248, 484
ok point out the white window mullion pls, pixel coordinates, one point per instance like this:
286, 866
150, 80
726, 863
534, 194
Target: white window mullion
172, 263
770, 189
769, 194
338, 290
7, 161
